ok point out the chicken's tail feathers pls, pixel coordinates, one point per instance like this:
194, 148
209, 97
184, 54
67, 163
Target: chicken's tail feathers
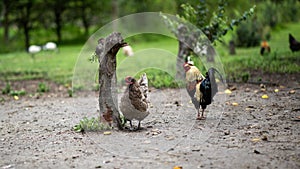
143, 82
291, 38
211, 73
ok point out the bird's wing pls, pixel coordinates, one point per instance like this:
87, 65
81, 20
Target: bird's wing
137, 98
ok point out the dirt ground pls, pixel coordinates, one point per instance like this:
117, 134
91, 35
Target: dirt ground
242, 130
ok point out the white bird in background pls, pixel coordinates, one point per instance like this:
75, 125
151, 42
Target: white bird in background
50, 46
33, 49
128, 51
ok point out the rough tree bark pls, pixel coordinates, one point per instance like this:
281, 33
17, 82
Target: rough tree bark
106, 51
183, 51
191, 41
231, 47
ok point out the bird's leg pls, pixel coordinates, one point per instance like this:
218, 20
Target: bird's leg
202, 114
198, 115
130, 124
139, 125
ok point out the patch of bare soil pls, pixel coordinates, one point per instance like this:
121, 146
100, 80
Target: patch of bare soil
242, 130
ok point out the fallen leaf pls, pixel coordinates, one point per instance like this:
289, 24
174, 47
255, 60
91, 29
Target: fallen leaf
107, 133
227, 91
16, 97
169, 137
265, 96
247, 89
177, 167
147, 142
264, 138
276, 90
248, 109
281, 87
256, 140
262, 86
234, 104
292, 92
232, 88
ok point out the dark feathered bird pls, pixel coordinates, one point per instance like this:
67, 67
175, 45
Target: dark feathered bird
294, 44
264, 46
201, 89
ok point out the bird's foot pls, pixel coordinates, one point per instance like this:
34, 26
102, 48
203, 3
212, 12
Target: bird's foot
201, 118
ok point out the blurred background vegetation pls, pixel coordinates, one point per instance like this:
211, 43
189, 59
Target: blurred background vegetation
69, 23
26, 22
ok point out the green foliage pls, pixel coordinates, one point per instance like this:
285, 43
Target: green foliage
218, 25
270, 15
42, 88
159, 79
17, 92
70, 92
92, 124
57, 67
248, 34
274, 13
245, 77
7, 88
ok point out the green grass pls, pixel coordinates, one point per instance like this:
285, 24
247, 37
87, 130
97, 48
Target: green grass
280, 60
155, 55
48, 65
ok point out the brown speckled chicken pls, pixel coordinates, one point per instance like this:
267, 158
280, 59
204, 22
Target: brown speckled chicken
134, 103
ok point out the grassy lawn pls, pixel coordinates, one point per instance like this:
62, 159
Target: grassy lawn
247, 60
158, 55
56, 66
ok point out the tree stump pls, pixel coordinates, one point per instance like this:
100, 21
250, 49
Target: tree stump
231, 47
106, 51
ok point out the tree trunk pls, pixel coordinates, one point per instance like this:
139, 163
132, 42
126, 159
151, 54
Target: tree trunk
115, 13
25, 19
183, 51
231, 48
58, 24
106, 50
26, 34
6, 8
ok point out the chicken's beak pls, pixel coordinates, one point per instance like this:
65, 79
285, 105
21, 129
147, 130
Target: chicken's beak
128, 80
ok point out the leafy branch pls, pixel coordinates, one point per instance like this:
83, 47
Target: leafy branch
215, 27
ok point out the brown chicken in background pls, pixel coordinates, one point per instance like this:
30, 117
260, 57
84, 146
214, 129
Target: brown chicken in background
294, 44
134, 103
264, 46
201, 89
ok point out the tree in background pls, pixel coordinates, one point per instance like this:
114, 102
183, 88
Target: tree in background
6, 10
214, 27
24, 19
58, 8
